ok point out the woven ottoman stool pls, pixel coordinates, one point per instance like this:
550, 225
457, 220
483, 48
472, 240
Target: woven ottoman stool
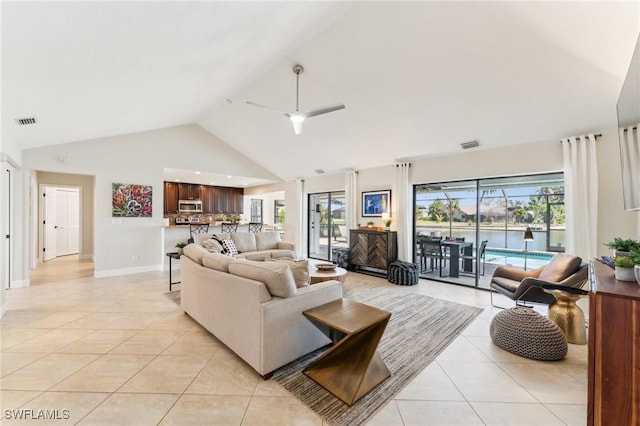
403, 273
524, 332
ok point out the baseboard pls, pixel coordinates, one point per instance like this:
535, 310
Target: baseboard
126, 271
20, 284
87, 257
175, 266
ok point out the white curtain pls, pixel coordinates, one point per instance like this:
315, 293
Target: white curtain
630, 156
351, 197
581, 195
401, 210
298, 205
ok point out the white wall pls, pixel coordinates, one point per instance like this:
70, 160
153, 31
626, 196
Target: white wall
530, 158
126, 245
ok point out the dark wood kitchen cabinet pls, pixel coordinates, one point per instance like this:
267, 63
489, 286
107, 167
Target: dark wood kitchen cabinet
372, 249
237, 200
215, 199
223, 198
170, 197
208, 199
189, 191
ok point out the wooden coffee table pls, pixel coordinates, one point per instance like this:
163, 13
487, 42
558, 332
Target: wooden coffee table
316, 276
352, 366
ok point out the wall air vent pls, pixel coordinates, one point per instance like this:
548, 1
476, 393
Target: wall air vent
319, 171
25, 121
469, 145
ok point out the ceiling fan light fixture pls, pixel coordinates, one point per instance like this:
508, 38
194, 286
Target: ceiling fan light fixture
297, 121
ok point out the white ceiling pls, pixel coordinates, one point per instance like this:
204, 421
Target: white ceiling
417, 78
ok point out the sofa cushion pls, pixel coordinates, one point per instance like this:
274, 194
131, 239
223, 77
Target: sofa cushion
277, 253
217, 261
561, 266
276, 276
229, 247
267, 240
195, 252
300, 269
245, 241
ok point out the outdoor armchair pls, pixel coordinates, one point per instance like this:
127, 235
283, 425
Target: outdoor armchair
526, 286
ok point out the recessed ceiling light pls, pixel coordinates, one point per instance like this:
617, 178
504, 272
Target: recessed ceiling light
177, 180
228, 176
197, 172
244, 184
211, 183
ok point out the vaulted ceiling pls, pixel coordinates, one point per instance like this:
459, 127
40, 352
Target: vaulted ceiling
417, 78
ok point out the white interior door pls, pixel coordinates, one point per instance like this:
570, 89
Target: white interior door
5, 226
67, 225
50, 213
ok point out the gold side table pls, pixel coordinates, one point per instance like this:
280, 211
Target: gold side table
567, 314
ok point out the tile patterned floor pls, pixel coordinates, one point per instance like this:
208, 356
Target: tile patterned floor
117, 351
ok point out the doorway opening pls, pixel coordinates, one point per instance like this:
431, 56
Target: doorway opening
327, 224
60, 236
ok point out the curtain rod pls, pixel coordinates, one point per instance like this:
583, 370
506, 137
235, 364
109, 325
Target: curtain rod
599, 135
633, 128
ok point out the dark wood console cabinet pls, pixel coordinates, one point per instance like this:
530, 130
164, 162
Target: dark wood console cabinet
372, 249
614, 349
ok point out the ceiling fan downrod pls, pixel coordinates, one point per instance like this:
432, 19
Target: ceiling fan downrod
297, 70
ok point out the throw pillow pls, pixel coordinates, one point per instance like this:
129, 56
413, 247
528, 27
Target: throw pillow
229, 247
219, 241
300, 269
213, 246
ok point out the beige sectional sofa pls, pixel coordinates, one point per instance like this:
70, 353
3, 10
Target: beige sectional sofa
252, 246
253, 307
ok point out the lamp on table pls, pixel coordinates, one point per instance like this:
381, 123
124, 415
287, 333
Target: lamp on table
528, 236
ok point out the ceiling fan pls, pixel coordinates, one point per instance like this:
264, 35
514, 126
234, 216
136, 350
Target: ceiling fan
297, 117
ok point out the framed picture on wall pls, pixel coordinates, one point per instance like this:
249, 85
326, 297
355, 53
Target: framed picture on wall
375, 203
131, 200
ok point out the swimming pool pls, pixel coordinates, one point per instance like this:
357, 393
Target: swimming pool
516, 258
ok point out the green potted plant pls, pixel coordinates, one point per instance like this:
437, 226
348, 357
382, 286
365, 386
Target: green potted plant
635, 258
624, 268
369, 224
387, 224
181, 245
622, 246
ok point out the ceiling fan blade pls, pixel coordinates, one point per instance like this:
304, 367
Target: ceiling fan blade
265, 106
323, 110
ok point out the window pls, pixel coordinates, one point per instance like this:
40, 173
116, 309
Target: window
278, 213
256, 211
495, 210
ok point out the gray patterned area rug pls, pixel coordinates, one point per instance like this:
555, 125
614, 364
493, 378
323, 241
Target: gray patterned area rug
419, 329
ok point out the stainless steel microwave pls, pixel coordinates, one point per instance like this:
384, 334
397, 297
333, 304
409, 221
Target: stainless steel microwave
190, 206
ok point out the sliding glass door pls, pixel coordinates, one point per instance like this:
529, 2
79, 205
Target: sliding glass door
480, 225
327, 226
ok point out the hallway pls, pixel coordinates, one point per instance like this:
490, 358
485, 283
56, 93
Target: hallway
63, 268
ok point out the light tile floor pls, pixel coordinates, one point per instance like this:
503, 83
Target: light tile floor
118, 351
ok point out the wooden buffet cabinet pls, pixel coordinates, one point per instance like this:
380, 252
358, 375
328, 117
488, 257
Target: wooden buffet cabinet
614, 349
372, 249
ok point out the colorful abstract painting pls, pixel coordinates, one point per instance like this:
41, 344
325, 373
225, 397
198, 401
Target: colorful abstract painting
131, 200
